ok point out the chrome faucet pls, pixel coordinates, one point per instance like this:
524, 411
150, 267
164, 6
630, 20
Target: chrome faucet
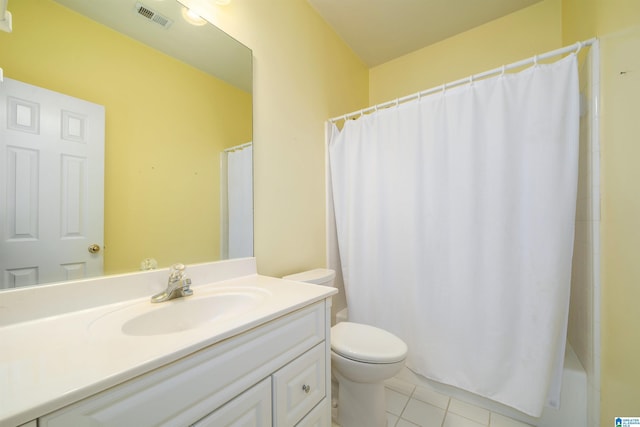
177, 287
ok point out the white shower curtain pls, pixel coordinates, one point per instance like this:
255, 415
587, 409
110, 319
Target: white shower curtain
455, 221
240, 202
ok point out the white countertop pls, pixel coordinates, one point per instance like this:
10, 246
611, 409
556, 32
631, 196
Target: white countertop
49, 362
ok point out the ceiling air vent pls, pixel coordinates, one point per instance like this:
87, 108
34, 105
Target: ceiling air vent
153, 16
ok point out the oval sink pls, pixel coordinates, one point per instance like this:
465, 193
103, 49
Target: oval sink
180, 314
184, 313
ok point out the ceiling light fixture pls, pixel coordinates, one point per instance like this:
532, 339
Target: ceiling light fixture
192, 18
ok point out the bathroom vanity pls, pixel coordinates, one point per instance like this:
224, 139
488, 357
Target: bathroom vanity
243, 347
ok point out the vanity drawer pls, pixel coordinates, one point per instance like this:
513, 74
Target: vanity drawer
251, 408
299, 386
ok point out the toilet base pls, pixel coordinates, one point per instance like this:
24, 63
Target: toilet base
360, 404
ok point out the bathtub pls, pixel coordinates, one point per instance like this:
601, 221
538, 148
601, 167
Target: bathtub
573, 396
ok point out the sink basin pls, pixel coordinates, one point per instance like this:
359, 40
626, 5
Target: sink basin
184, 313
181, 314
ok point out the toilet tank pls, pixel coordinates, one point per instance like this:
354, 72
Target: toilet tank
318, 276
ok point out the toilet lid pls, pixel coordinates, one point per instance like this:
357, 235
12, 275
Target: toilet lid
365, 343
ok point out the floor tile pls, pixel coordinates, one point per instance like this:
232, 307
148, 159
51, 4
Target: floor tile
405, 423
400, 386
467, 410
410, 405
423, 414
395, 401
455, 420
432, 397
498, 420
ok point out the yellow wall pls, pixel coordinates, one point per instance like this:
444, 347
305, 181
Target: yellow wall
303, 74
516, 36
162, 139
620, 225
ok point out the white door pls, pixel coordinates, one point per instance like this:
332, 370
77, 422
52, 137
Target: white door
51, 186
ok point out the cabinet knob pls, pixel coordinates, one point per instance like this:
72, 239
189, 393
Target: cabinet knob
306, 388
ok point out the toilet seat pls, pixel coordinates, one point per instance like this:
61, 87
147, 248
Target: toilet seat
365, 343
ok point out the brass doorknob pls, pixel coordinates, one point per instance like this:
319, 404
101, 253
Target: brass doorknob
94, 249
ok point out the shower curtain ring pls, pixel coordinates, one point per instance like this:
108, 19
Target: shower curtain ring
579, 48
535, 61
504, 68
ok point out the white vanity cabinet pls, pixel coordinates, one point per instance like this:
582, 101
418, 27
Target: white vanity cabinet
277, 373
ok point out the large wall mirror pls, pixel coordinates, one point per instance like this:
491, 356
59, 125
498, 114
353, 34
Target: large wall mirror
176, 100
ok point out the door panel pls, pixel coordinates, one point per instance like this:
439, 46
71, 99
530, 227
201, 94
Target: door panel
52, 187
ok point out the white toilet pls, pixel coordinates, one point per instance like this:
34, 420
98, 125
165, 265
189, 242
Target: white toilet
362, 357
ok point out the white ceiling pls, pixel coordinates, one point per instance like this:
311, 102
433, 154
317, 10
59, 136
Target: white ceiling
382, 30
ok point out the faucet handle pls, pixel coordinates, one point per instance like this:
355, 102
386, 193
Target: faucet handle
176, 271
178, 267
178, 276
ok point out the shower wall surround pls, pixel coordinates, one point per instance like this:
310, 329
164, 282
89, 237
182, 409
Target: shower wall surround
584, 309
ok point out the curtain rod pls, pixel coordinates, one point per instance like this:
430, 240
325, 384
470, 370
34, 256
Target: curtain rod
238, 147
500, 70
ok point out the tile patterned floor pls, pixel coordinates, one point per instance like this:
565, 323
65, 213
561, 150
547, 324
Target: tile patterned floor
410, 405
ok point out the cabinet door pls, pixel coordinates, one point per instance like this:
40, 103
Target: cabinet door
299, 386
251, 409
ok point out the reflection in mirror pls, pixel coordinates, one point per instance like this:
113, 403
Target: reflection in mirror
177, 109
